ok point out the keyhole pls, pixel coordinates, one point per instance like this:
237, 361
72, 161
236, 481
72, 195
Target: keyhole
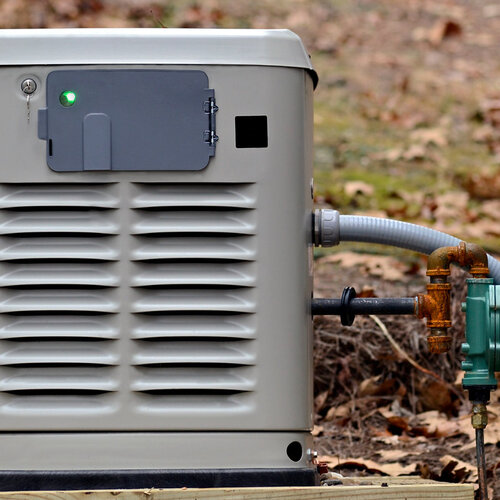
28, 86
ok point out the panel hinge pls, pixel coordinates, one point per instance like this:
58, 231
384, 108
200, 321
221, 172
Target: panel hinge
210, 108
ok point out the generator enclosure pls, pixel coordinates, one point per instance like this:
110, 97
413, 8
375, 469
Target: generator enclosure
156, 262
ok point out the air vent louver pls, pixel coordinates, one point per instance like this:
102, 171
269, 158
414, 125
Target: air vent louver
134, 300
58, 284
194, 273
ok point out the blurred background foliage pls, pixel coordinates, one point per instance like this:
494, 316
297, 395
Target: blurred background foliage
407, 125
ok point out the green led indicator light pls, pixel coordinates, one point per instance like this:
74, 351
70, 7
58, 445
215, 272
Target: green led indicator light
67, 98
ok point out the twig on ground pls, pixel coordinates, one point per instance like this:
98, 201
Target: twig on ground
406, 356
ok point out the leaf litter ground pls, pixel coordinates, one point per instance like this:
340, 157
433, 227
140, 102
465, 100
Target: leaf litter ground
383, 404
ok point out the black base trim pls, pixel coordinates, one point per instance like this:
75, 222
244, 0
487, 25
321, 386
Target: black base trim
138, 479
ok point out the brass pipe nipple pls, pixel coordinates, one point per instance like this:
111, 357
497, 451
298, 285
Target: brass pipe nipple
438, 341
435, 307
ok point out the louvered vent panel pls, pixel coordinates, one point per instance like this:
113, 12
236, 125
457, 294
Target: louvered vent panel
58, 297
194, 302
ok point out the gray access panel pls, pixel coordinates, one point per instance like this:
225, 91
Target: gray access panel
129, 120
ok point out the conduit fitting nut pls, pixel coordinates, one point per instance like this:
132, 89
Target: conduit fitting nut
326, 228
479, 418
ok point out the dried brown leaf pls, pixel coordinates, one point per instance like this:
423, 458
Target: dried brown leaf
373, 386
483, 229
369, 386
355, 188
425, 136
435, 424
483, 185
393, 454
451, 206
317, 430
366, 291
415, 152
389, 268
435, 395
451, 463
396, 469
320, 400
485, 133
340, 412
389, 155
395, 420
443, 29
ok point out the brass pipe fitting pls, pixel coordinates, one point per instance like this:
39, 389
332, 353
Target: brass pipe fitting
467, 255
435, 306
479, 417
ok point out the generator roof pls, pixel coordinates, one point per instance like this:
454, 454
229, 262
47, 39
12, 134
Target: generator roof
153, 46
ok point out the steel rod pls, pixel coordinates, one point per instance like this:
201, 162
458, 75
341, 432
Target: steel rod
481, 465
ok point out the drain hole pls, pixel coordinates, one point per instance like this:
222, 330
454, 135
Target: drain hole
294, 451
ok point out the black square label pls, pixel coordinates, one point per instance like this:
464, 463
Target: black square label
251, 131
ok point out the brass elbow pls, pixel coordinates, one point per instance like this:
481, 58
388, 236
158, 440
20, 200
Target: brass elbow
467, 255
435, 306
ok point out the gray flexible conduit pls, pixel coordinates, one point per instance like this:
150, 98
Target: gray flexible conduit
397, 234
403, 235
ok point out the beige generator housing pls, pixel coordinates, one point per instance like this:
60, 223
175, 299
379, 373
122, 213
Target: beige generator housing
155, 204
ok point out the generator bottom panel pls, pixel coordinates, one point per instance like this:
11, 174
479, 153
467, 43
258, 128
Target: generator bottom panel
40, 480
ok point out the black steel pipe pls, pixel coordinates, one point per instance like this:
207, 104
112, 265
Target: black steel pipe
379, 306
481, 465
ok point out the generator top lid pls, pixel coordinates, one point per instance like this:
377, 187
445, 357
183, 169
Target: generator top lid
22, 47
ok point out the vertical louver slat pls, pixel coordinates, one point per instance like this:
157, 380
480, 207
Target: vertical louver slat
194, 279
58, 296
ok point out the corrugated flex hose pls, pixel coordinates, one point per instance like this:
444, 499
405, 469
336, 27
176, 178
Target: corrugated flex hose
332, 228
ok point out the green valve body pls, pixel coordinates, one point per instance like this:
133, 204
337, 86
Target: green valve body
482, 346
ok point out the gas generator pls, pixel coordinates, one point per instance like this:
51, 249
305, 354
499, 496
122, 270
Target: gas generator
155, 197
156, 262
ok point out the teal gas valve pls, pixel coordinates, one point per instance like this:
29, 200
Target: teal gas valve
482, 346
